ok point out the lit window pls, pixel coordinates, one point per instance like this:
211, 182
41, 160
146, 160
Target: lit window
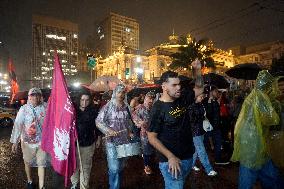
43, 53
61, 51
75, 36
99, 30
64, 61
102, 36
127, 29
51, 36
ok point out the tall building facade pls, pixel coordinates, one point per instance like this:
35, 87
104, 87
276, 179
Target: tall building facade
50, 34
116, 31
263, 53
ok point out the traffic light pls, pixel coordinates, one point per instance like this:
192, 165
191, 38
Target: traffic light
127, 71
91, 61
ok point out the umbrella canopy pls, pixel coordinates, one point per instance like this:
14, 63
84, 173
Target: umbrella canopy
217, 80
143, 90
105, 83
247, 71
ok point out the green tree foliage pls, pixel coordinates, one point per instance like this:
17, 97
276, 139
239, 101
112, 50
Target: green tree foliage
189, 51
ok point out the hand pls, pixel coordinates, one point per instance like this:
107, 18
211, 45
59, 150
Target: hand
111, 132
210, 99
15, 147
98, 142
174, 166
196, 64
131, 135
32, 130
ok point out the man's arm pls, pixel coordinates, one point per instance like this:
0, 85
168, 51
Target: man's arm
17, 130
199, 83
174, 162
101, 125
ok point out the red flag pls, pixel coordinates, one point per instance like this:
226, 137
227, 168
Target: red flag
13, 80
58, 130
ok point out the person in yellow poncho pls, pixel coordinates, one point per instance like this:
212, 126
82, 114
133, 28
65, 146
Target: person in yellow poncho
276, 139
251, 133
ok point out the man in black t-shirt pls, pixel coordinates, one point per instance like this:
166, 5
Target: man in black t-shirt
170, 132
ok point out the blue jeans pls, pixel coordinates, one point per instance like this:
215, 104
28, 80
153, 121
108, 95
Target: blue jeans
268, 175
201, 153
170, 181
217, 140
115, 166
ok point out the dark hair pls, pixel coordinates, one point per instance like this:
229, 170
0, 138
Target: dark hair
168, 74
87, 93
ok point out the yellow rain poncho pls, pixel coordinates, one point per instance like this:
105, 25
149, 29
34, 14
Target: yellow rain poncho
276, 137
252, 126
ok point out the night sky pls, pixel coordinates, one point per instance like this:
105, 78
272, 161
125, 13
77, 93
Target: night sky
227, 22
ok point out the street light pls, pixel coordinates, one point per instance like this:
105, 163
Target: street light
138, 59
76, 84
139, 70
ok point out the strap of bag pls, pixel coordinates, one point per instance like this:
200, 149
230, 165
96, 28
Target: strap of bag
36, 119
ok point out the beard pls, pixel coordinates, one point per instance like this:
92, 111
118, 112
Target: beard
174, 95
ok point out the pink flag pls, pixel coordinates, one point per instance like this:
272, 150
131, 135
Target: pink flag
58, 130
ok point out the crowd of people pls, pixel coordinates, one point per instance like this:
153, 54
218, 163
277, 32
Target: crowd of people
172, 124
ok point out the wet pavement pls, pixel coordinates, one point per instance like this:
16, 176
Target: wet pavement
12, 175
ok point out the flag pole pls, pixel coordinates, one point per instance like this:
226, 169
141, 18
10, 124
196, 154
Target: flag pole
91, 75
80, 160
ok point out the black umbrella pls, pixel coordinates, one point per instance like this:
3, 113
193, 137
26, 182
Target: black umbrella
217, 80
247, 71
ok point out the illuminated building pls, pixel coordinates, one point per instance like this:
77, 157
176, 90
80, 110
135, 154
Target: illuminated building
124, 64
263, 54
50, 34
159, 56
116, 31
154, 62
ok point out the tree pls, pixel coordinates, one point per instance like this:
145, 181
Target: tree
190, 50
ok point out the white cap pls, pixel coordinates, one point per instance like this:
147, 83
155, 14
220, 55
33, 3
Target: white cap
34, 91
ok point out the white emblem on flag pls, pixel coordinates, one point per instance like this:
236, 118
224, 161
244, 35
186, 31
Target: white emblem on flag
61, 143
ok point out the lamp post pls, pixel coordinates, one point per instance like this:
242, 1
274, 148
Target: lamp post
139, 71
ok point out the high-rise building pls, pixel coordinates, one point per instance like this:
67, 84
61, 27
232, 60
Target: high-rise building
116, 31
50, 34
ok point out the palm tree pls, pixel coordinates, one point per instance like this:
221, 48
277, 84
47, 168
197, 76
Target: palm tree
189, 51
